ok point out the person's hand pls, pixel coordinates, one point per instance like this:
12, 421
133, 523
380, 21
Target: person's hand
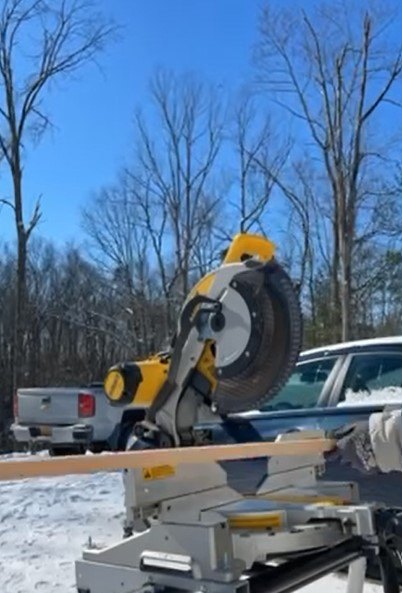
354, 448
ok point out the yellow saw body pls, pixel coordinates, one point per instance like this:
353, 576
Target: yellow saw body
237, 341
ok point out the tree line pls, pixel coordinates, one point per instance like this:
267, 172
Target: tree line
306, 152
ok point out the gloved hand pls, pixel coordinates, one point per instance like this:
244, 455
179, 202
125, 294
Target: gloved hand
354, 447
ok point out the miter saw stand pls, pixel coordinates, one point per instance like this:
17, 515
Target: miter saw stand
195, 533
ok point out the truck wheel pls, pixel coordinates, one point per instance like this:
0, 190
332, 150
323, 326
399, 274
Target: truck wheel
63, 451
99, 447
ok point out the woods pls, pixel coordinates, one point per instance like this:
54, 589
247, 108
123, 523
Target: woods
307, 152
67, 36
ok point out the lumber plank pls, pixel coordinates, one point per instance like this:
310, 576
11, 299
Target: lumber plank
18, 469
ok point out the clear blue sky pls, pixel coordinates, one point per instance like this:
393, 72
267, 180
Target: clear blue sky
93, 129
93, 114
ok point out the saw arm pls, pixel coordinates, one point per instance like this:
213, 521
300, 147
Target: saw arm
238, 338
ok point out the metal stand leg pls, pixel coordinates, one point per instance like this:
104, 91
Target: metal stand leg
356, 576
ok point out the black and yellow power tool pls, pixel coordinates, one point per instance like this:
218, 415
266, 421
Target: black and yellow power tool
238, 338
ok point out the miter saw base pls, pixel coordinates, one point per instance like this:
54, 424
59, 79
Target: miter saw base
195, 533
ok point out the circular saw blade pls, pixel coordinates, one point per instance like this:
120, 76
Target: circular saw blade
253, 366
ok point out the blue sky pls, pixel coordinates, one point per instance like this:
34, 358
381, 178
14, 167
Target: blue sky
93, 132
92, 115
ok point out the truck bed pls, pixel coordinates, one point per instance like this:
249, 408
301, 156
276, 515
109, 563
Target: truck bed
48, 406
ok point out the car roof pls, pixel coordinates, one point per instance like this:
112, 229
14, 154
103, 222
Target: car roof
367, 345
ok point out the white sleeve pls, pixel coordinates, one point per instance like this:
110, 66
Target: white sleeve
386, 439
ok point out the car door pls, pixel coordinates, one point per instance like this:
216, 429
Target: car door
368, 382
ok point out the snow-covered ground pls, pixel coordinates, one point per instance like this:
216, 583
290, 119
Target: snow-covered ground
46, 523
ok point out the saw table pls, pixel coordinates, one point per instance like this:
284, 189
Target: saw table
192, 532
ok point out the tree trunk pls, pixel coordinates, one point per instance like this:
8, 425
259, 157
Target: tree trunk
335, 290
346, 300
345, 239
20, 293
20, 310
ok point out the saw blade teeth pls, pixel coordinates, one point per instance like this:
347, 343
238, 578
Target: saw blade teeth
274, 345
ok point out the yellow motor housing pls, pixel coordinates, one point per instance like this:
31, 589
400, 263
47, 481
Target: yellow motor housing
136, 382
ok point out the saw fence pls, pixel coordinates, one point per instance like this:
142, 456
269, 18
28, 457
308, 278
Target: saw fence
18, 469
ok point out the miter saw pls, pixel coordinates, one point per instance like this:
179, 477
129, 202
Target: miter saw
237, 341
238, 338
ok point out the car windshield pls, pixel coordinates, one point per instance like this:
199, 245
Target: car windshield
304, 387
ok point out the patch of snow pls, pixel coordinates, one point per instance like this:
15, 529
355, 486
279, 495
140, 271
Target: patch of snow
383, 396
46, 523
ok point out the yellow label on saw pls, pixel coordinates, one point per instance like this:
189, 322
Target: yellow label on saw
307, 499
267, 520
158, 472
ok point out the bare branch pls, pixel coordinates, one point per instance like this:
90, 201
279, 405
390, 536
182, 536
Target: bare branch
339, 82
7, 203
35, 218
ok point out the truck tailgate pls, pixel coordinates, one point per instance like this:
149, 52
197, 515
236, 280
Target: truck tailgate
48, 406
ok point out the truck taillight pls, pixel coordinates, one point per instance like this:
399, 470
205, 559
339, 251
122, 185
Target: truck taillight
15, 405
86, 405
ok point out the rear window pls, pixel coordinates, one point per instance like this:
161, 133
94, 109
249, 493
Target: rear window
304, 386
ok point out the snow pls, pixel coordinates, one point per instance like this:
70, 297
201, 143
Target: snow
384, 396
46, 523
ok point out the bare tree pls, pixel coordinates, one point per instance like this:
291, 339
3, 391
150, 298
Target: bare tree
40, 42
121, 244
174, 167
160, 215
258, 150
335, 72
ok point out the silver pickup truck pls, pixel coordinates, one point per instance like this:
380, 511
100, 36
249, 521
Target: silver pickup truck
71, 420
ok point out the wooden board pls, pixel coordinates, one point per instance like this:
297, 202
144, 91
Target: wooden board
85, 464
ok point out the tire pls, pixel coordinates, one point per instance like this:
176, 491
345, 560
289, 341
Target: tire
99, 447
64, 450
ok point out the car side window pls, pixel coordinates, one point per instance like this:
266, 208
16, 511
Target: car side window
372, 375
304, 386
